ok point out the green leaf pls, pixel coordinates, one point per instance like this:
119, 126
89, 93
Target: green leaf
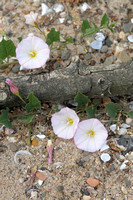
34, 103
69, 40
130, 113
53, 36
95, 27
4, 118
91, 111
85, 25
89, 32
26, 119
82, 100
113, 109
19, 39
1, 60
7, 48
105, 20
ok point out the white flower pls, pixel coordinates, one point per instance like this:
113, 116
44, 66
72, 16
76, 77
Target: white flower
65, 123
31, 18
32, 52
90, 135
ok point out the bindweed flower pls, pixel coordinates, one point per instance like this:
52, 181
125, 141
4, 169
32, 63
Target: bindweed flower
90, 135
31, 18
32, 52
50, 151
65, 123
13, 87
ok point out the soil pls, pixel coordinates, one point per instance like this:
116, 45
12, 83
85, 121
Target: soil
66, 177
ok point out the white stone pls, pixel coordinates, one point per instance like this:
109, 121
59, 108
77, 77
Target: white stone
122, 131
129, 121
113, 127
12, 139
41, 136
58, 7
124, 166
105, 157
122, 35
100, 37
123, 125
40, 182
123, 189
104, 147
21, 152
75, 58
130, 38
84, 7
45, 9
30, 34
96, 44
61, 20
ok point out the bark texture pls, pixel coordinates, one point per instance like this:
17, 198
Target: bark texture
63, 84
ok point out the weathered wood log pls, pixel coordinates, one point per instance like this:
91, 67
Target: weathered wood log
64, 83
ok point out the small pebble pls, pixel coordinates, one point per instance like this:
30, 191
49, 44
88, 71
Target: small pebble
57, 65
109, 61
36, 4
21, 180
127, 27
16, 69
11, 20
99, 11
108, 42
88, 56
123, 56
85, 197
122, 131
112, 168
13, 147
122, 35
130, 38
40, 182
60, 188
124, 190
92, 62
65, 55
104, 49
86, 158
121, 158
124, 166
105, 157
129, 121
93, 182
9, 7
127, 182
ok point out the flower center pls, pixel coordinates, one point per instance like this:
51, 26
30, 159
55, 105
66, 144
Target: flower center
70, 121
91, 133
32, 54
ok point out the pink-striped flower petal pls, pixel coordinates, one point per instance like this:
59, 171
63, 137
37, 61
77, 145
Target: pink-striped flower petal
90, 135
32, 52
65, 123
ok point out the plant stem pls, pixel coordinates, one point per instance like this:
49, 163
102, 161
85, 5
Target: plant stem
41, 32
29, 136
9, 63
21, 99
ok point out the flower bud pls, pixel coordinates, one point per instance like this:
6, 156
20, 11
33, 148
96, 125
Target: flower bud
13, 87
50, 151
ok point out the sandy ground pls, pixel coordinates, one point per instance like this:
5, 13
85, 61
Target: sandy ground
66, 177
